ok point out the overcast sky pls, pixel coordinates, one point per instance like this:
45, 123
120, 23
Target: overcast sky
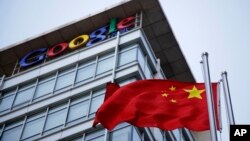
221, 28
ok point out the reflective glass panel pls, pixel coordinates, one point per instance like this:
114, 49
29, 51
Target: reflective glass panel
105, 65
147, 72
33, 127
95, 136
136, 137
121, 134
177, 135
24, 96
6, 102
85, 73
77, 111
44, 88
127, 57
96, 103
141, 59
12, 134
55, 119
65, 80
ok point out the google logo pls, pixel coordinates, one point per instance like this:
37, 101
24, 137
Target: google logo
110, 30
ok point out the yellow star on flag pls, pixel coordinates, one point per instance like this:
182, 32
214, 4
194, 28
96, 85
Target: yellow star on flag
194, 93
172, 88
164, 94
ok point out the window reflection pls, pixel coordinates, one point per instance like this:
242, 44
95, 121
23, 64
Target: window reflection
44, 88
55, 119
85, 73
33, 127
12, 134
105, 65
5, 103
24, 95
123, 134
64, 80
77, 111
127, 56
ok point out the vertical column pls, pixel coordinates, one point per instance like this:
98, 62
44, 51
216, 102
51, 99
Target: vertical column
209, 95
2, 81
116, 56
227, 98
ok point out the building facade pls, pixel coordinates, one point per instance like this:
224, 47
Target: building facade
52, 85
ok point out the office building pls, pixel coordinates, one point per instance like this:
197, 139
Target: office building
51, 85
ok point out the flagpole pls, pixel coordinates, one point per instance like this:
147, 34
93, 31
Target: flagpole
106, 135
115, 56
209, 94
227, 98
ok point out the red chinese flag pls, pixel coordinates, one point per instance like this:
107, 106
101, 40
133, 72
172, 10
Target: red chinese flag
164, 104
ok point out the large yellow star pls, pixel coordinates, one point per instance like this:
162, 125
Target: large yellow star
194, 93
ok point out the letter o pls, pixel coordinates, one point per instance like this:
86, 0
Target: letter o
57, 49
78, 41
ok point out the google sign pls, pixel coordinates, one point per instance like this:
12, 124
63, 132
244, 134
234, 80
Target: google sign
84, 40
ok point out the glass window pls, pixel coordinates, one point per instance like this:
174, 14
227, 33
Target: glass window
85, 73
24, 96
178, 135
123, 134
65, 80
141, 59
105, 65
12, 134
5, 102
95, 136
44, 88
136, 136
77, 111
158, 133
55, 119
98, 92
33, 127
147, 72
96, 103
127, 56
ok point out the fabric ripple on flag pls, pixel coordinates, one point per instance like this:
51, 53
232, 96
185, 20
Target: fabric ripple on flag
158, 103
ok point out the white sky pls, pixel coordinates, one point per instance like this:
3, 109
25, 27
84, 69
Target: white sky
222, 28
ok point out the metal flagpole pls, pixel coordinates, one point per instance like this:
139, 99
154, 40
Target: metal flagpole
209, 96
115, 56
113, 72
227, 98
